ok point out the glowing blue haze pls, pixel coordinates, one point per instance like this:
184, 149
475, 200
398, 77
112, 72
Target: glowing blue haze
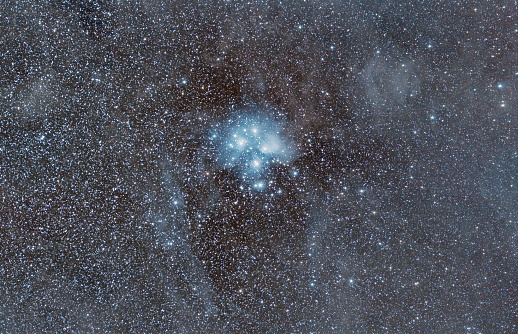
250, 144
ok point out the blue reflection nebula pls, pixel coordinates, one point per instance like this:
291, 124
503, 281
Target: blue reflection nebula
250, 143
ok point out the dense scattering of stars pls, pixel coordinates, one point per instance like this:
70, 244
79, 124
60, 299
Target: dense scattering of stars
258, 166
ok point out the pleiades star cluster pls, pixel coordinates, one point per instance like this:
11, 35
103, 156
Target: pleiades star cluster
258, 166
250, 144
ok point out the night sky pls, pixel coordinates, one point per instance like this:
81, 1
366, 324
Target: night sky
291, 166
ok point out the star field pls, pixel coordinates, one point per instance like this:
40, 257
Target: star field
258, 166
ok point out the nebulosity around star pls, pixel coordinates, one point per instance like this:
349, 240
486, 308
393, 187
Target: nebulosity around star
250, 143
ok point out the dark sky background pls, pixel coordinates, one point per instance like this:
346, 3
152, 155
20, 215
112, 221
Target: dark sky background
373, 191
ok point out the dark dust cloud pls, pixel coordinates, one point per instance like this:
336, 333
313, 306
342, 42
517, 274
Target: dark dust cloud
258, 166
